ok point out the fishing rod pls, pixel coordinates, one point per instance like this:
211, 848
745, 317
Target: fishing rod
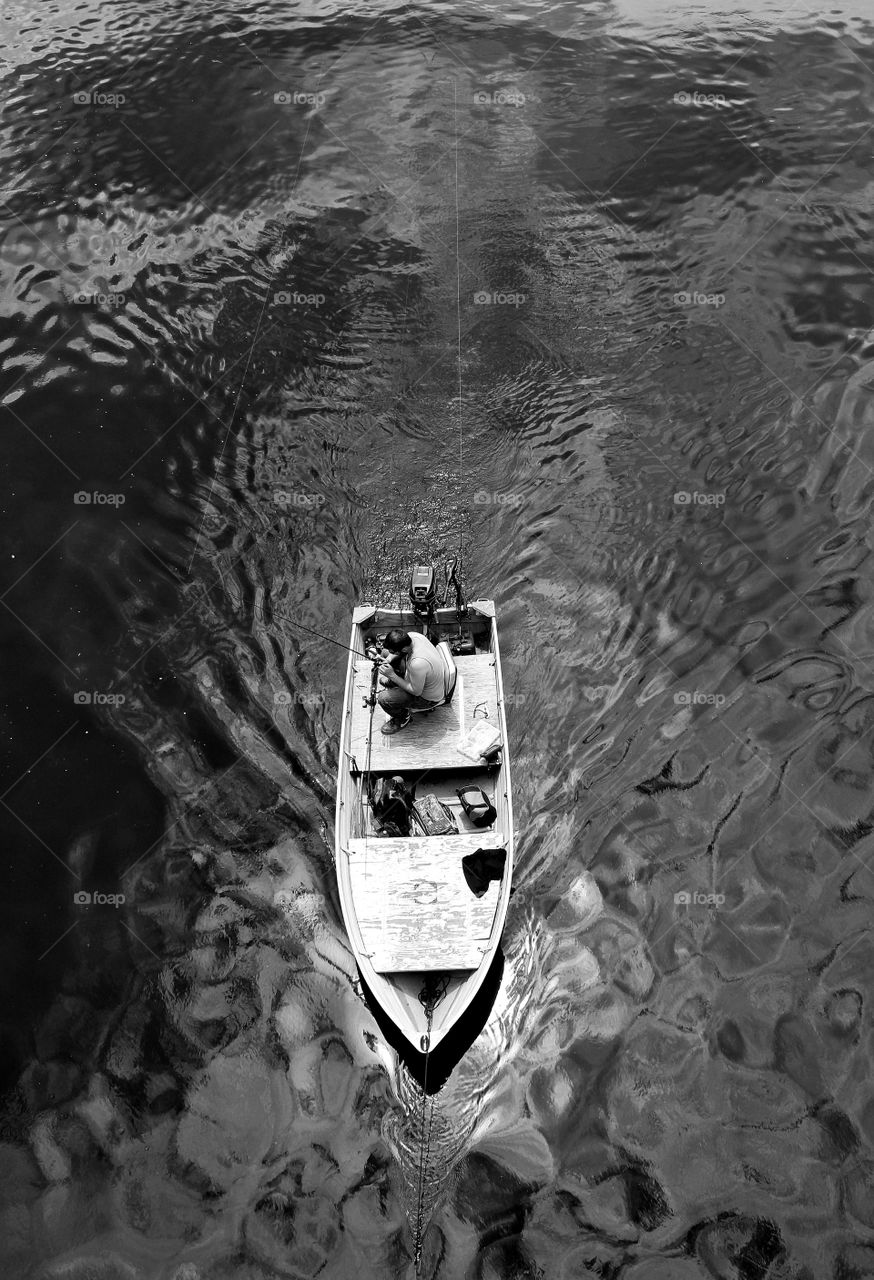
330, 639
376, 659
452, 580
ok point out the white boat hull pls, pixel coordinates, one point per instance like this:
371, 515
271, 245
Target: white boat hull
408, 910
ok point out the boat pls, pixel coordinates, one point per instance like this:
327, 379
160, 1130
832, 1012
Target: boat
424, 913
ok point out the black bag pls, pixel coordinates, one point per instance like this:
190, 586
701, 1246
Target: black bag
390, 829
392, 802
477, 806
462, 645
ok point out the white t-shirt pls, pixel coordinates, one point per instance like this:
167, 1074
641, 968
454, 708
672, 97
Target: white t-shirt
425, 665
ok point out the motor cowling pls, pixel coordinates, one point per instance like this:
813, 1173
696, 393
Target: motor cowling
423, 590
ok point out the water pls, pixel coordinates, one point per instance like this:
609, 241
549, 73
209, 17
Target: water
661, 467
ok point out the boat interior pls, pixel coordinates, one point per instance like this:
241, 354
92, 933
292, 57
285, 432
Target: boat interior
445, 785
412, 898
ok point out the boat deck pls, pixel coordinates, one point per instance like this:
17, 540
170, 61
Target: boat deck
429, 741
412, 903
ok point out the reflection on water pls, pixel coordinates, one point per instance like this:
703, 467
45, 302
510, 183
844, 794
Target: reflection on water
231, 309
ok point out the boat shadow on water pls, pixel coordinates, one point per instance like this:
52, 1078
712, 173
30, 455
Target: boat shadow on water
431, 1070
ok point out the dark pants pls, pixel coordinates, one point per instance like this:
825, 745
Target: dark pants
397, 702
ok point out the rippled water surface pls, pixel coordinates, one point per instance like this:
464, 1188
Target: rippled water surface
242, 247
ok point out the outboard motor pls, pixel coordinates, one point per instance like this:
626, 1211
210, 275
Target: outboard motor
423, 595
423, 590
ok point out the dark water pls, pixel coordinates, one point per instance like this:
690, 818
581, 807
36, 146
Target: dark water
662, 465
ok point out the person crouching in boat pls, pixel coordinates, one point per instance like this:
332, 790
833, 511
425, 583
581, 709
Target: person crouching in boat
417, 682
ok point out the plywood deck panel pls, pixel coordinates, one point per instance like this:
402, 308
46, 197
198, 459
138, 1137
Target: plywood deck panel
412, 903
429, 741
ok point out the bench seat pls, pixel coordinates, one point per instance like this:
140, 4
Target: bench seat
413, 905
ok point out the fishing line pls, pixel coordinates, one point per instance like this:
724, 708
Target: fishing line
458, 324
321, 635
431, 1000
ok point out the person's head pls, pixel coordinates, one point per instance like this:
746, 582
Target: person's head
397, 641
